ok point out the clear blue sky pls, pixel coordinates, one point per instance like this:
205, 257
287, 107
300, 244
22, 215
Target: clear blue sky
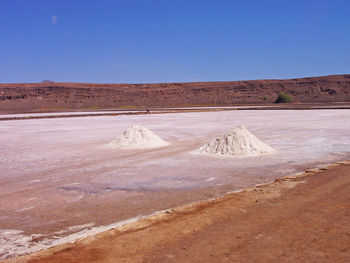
172, 40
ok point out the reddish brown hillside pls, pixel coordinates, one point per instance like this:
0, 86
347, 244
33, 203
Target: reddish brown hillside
25, 97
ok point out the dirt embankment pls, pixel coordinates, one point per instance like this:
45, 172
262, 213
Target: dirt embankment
25, 97
302, 218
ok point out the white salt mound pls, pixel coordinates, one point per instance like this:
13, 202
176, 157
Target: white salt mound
137, 137
237, 142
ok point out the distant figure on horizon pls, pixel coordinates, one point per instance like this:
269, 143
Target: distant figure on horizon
148, 111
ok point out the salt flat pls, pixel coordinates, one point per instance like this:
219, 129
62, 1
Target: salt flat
57, 173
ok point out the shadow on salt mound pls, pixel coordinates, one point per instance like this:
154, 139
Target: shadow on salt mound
137, 137
238, 142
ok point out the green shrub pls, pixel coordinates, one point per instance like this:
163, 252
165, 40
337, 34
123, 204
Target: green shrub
283, 98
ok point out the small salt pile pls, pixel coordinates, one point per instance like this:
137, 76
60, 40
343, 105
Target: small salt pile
137, 137
237, 142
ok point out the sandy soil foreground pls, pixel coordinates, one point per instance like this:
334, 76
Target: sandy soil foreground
301, 218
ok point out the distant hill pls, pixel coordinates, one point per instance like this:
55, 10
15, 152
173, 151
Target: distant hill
48, 95
47, 81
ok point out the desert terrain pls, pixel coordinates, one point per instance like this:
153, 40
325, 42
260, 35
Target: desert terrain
60, 182
52, 96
